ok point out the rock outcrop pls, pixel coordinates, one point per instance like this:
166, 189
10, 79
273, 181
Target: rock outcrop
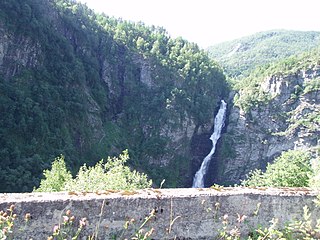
289, 120
16, 53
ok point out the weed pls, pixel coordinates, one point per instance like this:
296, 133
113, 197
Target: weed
172, 220
229, 232
140, 233
67, 229
7, 222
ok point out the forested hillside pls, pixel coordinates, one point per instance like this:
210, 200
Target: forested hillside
239, 57
84, 85
276, 109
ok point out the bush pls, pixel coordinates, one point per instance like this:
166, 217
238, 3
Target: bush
110, 175
290, 169
314, 180
103, 176
56, 178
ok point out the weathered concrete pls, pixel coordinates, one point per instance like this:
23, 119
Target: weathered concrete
179, 213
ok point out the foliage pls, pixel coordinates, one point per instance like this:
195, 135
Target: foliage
309, 121
291, 65
239, 227
314, 180
103, 176
251, 95
241, 56
94, 84
312, 85
291, 169
229, 232
304, 228
56, 178
63, 231
110, 175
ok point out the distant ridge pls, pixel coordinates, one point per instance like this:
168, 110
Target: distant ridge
240, 56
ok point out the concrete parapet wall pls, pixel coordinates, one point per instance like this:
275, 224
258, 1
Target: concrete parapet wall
178, 213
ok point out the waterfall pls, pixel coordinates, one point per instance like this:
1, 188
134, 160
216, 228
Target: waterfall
198, 180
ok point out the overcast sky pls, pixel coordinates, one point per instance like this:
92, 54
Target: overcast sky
207, 22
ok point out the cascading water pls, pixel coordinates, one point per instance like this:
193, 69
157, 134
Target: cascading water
198, 180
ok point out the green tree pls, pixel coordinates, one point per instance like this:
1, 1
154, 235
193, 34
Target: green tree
56, 178
110, 175
102, 64
113, 174
290, 169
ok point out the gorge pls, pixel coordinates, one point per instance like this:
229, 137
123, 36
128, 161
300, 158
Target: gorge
287, 118
87, 86
198, 180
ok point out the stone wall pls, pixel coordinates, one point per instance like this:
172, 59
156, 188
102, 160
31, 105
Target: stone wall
178, 213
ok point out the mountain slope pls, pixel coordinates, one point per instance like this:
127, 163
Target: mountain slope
273, 111
240, 56
85, 85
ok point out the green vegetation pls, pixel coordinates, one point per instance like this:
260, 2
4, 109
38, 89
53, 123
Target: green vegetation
88, 85
310, 121
56, 178
312, 85
251, 93
111, 175
7, 222
241, 56
291, 169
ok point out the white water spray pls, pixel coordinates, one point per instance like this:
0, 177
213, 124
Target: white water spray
198, 180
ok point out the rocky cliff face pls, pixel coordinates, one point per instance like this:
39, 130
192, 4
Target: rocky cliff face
79, 84
289, 120
16, 53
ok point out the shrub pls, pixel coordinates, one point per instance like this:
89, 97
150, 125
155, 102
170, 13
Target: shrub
110, 175
56, 178
314, 180
290, 169
103, 176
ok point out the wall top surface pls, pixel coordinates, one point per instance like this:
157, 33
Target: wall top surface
158, 193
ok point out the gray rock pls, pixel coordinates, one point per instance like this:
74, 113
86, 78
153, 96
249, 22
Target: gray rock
263, 133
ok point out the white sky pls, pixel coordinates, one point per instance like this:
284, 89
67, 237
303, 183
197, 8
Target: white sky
207, 22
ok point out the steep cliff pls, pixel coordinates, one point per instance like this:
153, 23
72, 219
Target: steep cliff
82, 84
279, 113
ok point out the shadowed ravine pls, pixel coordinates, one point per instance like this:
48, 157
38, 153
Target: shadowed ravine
198, 180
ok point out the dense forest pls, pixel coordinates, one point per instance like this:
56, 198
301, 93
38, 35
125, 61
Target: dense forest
85, 85
81, 86
90, 103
